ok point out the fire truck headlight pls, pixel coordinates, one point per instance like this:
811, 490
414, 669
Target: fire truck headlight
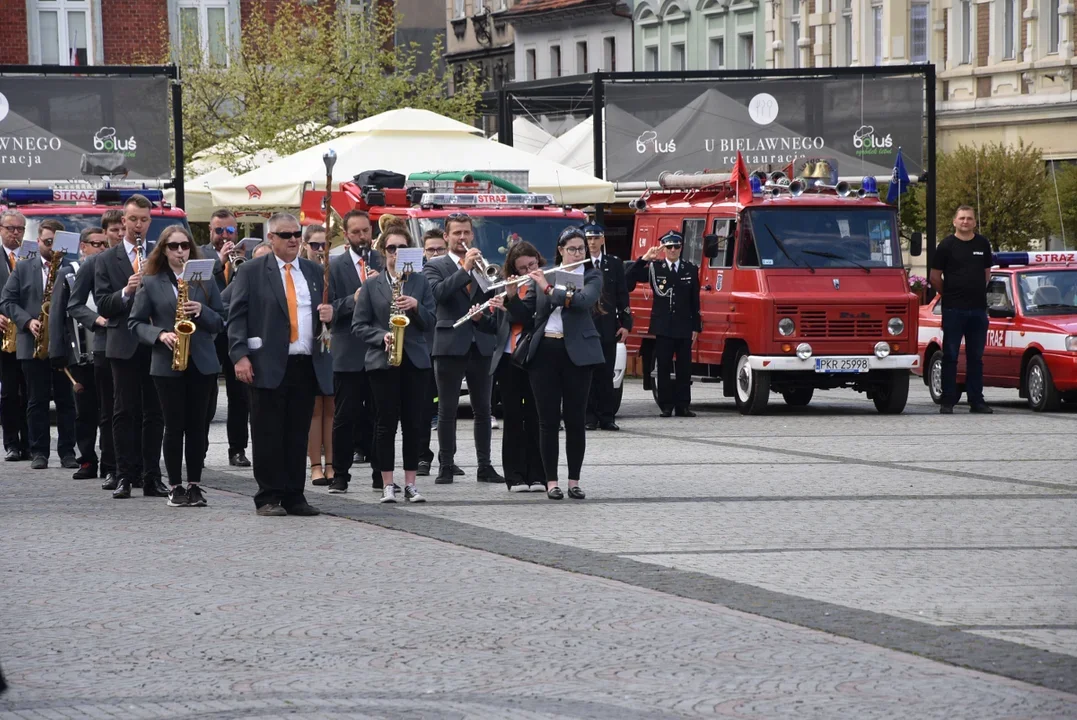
786, 327
895, 326
882, 349
1071, 343
803, 351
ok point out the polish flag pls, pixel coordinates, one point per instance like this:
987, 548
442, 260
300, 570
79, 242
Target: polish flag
740, 178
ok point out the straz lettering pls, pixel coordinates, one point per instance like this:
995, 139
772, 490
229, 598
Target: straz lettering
996, 338
1043, 258
492, 199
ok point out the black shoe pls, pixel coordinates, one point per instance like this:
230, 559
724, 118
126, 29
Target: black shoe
666, 412
338, 485
238, 459
555, 494
358, 458
591, 426
303, 509
946, 409
576, 493
982, 409
111, 482
445, 476
457, 470
195, 497
609, 425
154, 488
487, 474
14, 455
40, 462
123, 490
271, 510
424, 468
320, 482
86, 471
177, 497
684, 412
70, 463
137, 483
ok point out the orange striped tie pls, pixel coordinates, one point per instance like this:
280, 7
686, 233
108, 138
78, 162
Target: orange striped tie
137, 263
293, 304
11, 261
227, 272
517, 328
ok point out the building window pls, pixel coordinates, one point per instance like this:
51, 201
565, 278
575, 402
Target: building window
555, 61
716, 54
650, 58
1009, 29
458, 10
747, 52
529, 64
676, 56
63, 32
918, 17
1053, 26
877, 32
966, 32
609, 52
847, 26
203, 28
794, 34
581, 57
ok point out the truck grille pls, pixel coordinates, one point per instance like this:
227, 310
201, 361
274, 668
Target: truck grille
830, 324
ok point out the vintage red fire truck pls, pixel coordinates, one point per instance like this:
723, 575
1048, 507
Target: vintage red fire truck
1032, 330
803, 288
79, 207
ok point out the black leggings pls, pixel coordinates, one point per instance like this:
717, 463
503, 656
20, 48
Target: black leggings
561, 390
185, 406
400, 395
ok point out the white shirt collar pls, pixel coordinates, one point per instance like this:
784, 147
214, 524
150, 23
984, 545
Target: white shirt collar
355, 256
281, 263
456, 258
128, 246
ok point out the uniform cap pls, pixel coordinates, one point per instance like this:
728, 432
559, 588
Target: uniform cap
672, 238
594, 230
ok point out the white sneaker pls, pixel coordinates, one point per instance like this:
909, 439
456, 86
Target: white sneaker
519, 488
411, 494
388, 494
494, 423
538, 487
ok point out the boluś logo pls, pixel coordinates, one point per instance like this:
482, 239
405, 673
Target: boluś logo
105, 140
867, 142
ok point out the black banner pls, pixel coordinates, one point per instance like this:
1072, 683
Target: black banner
856, 123
64, 128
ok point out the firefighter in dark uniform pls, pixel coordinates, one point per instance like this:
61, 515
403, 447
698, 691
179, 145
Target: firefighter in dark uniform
675, 319
613, 325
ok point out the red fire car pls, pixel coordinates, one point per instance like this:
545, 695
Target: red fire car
1032, 336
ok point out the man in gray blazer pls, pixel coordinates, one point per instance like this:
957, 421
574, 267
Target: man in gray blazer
71, 341
461, 352
273, 321
12, 383
137, 423
21, 300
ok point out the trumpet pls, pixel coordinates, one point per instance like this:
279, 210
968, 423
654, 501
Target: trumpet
487, 270
505, 287
236, 258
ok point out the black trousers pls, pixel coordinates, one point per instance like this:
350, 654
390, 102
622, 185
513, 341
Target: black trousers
430, 410
13, 403
676, 394
520, 455
600, 399
238, 396
280, 424
102, 373
353, 418
87, 414
41, 379
137, 424
400, 396
184, 400
450, 371
561, 391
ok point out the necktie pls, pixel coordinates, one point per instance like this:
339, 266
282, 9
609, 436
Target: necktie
293, 304
228, 272
517, 328
11, 261
136, 264
460, 264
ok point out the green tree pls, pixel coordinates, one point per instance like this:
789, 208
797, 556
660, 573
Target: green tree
1060, 207
303, 67
1008, 186
913, 214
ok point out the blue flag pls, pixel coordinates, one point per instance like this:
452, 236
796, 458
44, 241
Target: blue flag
899, 180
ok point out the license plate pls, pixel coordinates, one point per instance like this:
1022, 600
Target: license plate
841, 365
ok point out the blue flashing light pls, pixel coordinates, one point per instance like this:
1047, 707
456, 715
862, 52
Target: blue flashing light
122, 195
1005, 259
26, 196
756, 184
870, 185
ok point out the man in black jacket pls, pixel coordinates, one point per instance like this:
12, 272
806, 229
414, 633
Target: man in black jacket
675, 319
12, 383
613, 321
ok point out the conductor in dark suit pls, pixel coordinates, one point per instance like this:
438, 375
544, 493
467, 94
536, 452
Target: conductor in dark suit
461, 352
12, 384
613, 323
675, 319
273, 322
21, 300
184, 394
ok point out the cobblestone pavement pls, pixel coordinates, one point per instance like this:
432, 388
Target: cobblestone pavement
824, 562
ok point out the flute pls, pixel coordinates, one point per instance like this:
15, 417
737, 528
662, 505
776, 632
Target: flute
507, 284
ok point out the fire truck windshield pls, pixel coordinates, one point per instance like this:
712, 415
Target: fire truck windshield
1050, 292
829, 237
494, 234
77, 222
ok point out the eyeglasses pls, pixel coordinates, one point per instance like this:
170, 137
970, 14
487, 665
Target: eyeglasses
97, 243
288, 235
393, 248
316, 245
223, 230
530, 267
182, 245
436, 250
15, 228
575, 249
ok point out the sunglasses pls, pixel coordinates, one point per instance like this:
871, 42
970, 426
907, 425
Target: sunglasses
97, 243
316, 245
14, 228
673, 246
182, 245
393, 248
289, 235
222, 231
46, 243
457, 217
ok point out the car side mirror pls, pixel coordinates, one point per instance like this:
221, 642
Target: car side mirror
710, 246
996, 312
916, 244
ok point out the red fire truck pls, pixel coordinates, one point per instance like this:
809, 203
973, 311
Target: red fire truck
802, 288
82, 207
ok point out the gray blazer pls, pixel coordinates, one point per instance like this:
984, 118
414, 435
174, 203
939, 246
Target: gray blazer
581, 336
515, 312
111, 271
448, 283
68, 338
154, 312
77, 306
349, 351
371, 320
258, 308
21, 300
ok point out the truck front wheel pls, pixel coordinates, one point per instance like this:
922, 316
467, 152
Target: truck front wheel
890, 398
752, 386
798, 397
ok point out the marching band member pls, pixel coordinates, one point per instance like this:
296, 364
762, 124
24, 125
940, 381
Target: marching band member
72, 338
399, 392
675, 319
137, 423
12, 383
23, 295
321, 424
563, 349
184, 394
434, 246
274, 317
613, 324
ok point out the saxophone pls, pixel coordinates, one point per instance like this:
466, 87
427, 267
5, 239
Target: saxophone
183, 328
398, 323
41, 342
10, 333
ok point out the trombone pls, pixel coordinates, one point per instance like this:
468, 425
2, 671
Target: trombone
506, 285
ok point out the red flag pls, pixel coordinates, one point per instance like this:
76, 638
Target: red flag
740, 178
789, 170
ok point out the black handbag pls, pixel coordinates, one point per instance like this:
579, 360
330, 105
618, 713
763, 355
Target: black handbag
523, 349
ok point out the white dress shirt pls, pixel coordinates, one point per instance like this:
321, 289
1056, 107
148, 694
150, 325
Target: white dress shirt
305, 343
44, 274
555, 324
672, 267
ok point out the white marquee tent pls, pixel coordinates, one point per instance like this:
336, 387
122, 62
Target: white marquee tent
528, 136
